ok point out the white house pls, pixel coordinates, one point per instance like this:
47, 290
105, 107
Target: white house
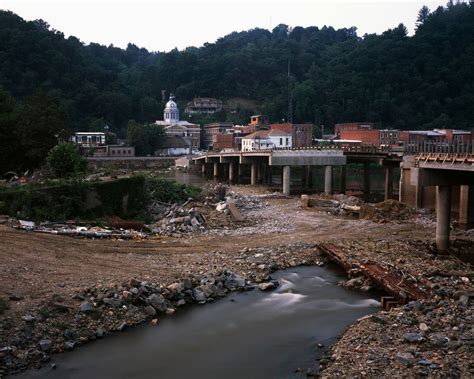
267, 140
88, 139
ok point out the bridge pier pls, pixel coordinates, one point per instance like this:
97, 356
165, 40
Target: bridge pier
203, 169
388, 183
466, 205
443, 217
231, 172
328, 180
216, 170
286, 180
253, 174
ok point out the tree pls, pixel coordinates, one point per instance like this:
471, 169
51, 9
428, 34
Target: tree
41, 126
423, 15
146, 138
9, 141
65, 161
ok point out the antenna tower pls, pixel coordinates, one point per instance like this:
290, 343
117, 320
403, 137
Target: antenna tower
290, 95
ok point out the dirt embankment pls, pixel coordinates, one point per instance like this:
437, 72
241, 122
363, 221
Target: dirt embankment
46, 279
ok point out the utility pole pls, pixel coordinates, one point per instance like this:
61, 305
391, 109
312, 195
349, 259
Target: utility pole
290, 95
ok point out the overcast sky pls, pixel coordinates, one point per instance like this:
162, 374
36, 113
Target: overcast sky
165, 24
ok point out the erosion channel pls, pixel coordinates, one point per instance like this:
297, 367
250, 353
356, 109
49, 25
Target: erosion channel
250, 334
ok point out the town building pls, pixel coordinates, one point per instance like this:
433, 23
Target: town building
302, 134
367, 137
88, 139
112, 151
204, 105
440, 136
266, 140
352, 126
213, 129
173, 146
390, 137
174, 127
259, 121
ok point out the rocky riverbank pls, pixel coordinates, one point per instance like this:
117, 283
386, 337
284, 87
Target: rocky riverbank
62, 323
425, 338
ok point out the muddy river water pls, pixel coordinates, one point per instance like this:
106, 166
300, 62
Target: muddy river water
245, 335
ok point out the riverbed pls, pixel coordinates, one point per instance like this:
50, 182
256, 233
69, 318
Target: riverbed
253, 334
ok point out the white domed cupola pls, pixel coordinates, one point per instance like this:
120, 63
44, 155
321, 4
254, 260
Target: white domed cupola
171, 112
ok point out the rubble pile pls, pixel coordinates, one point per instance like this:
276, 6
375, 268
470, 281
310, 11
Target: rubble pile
388, 210
78, 231
333, 204
432, 337
177, 220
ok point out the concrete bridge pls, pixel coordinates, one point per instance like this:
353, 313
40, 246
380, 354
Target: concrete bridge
261, 163
443, 171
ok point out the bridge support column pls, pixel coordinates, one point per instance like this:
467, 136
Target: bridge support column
253, 174
203, 169
343, 179
328, 180
239, 172
286, 180
366, 189
231, 172
443, 217
216, 170
388, 182
466, 205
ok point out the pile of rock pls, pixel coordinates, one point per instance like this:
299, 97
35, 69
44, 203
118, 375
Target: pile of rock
336, 205
153, 298
176, 220
388, 210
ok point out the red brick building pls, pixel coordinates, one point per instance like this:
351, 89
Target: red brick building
302, 134
351, 126
367, 137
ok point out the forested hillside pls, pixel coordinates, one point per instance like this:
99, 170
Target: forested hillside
392, 79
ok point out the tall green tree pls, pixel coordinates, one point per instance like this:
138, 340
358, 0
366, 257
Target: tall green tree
146, 138
40, 127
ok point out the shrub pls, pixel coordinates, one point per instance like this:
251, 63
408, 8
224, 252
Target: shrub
65, 161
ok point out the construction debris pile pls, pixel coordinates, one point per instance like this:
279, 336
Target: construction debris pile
78, 231
336, 205
388, 210
429, 337
176, 220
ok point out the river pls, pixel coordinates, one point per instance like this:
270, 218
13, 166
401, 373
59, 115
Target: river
244, 335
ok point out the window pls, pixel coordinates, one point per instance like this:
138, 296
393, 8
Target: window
287, 142
281, 141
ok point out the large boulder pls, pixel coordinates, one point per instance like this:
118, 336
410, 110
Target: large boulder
158, 302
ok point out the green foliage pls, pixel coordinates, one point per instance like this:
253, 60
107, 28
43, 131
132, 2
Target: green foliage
146, 138
169, 191
65, 161
127, 198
